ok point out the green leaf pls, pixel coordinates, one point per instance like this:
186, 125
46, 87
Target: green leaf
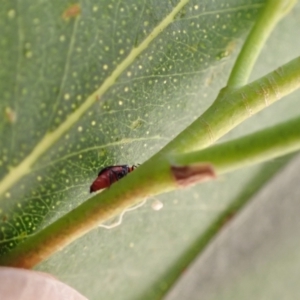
63, 59
60, 68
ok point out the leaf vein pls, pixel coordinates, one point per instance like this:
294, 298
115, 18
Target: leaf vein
50, 138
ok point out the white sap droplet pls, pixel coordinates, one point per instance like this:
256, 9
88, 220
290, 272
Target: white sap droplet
157, 205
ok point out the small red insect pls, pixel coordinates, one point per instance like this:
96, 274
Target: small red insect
109, 175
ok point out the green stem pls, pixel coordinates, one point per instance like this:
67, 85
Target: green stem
248, 150
254, 148
155, 176
235, 107
273, 11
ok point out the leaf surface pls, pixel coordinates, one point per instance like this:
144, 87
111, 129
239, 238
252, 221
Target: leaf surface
54, 57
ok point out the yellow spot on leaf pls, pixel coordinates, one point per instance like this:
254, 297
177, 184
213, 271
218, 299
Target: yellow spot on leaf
10, 115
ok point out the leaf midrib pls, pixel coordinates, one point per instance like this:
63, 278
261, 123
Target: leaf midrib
49, 139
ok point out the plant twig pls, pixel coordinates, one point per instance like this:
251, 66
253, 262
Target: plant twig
251, 149
235, 107
155, 176
273, 11
254, 148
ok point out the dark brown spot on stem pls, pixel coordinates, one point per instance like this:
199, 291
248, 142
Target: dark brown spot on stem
189, 175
